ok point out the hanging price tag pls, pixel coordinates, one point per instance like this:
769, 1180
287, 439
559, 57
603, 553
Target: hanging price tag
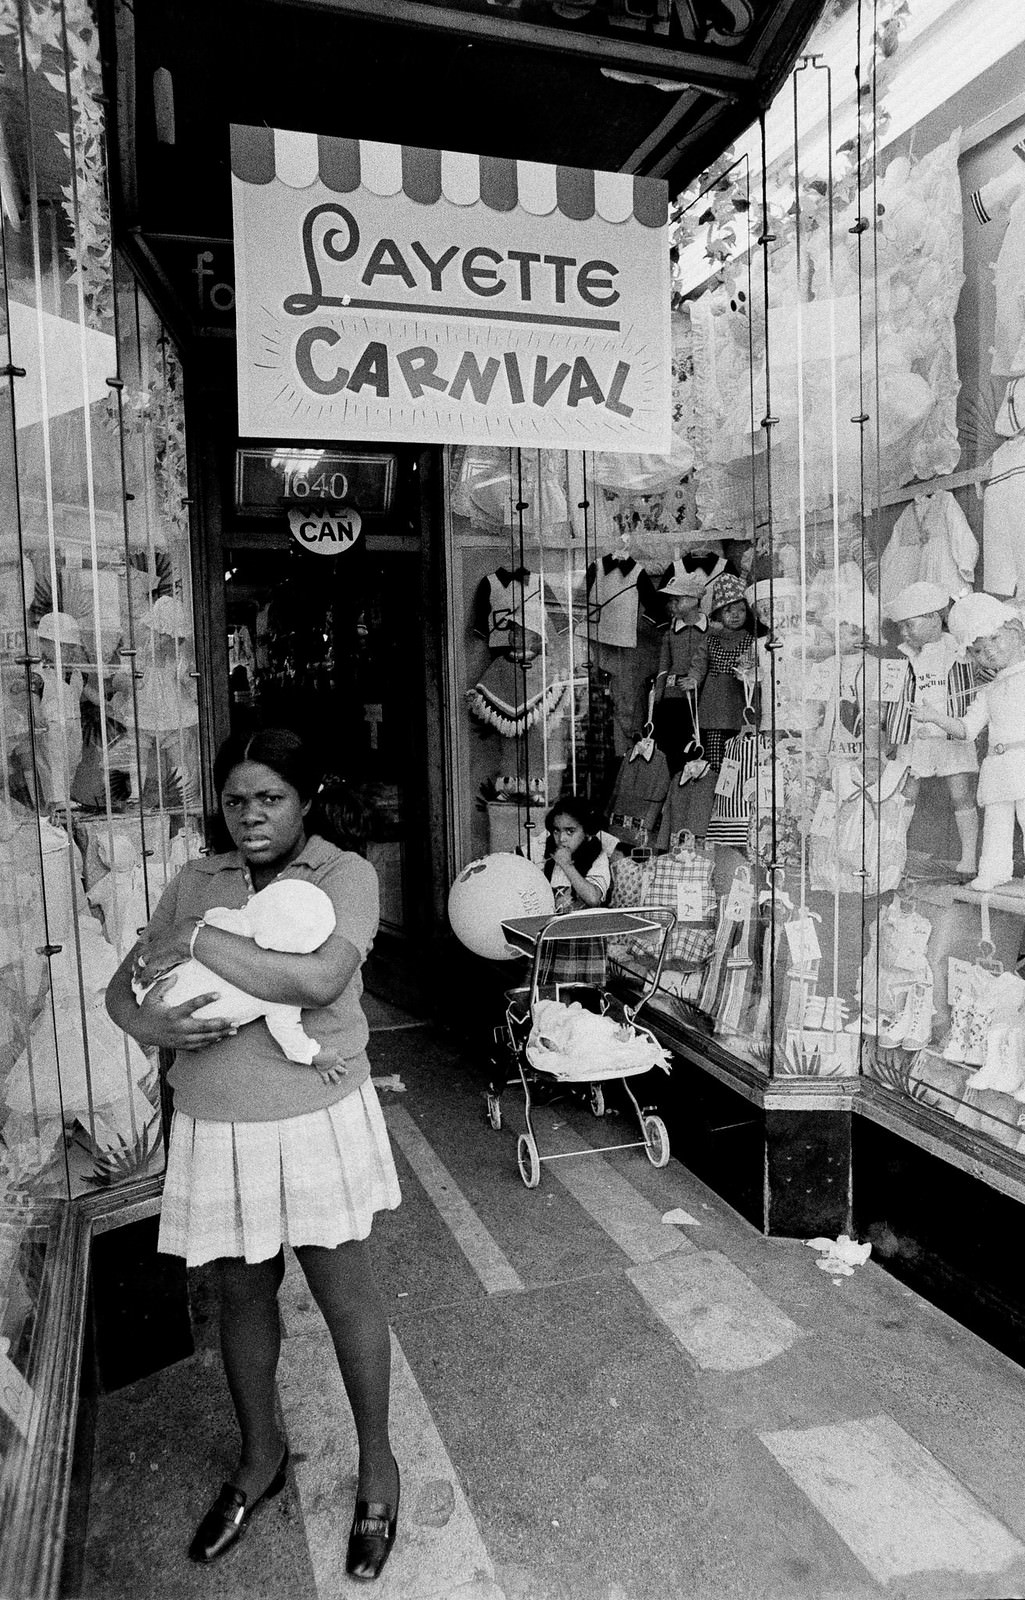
741, 898
689, 897
729, 773
960, 979
16, 1394
823, 822
893, 675
802, 941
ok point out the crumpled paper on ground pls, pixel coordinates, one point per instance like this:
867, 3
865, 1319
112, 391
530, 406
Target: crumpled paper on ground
840, 1256
680, 1217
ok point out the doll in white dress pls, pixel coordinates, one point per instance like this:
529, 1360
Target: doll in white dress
994, 636
940, 677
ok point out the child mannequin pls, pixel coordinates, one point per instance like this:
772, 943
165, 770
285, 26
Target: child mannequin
846, 679
682, 666
940, 679
723, 701
994, 636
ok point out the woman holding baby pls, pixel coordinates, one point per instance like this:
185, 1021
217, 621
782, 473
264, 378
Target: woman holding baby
265, 1151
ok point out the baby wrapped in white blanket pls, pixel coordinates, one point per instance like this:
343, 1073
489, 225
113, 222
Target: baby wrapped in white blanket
573, 1043
289, 916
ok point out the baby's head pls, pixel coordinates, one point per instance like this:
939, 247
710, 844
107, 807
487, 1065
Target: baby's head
991, 631
290, 916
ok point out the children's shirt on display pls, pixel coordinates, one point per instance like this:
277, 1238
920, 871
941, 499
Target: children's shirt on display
514, 599
939, 678
617, 588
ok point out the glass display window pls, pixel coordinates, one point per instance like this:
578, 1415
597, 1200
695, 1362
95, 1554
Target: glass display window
783, 662
99, 752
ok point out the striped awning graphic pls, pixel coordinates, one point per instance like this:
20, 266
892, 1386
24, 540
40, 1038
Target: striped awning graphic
259, 155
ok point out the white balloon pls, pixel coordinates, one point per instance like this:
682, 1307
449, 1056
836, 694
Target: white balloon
490, 891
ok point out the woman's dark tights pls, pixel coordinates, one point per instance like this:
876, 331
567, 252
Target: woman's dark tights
342, 1283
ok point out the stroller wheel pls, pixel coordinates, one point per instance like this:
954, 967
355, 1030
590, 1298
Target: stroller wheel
528, 1160
656, 1140
597, 1101
494, 1111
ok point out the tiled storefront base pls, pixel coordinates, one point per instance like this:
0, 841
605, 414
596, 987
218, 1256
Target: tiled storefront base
941, 1205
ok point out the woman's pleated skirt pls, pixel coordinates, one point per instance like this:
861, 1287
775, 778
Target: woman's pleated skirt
247, 1188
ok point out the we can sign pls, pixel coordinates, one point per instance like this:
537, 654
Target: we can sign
326, 530
430, 296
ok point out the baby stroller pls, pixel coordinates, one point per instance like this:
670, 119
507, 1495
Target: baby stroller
591, 1036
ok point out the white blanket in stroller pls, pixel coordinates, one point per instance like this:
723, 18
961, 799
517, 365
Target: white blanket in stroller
575, 1044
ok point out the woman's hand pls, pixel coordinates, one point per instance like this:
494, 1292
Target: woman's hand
154, 958
175, 1027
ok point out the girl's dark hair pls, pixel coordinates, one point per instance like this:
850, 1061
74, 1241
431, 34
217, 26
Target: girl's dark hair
582, 811
577, 807
337, 813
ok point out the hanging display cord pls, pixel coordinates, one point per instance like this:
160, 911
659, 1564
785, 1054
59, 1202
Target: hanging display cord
26, 661
523, 754
768, 421
570, 568
802, 496
543, 580
590, 623
57, 603
818, 66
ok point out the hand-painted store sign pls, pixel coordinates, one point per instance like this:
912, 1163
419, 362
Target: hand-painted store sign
392, 293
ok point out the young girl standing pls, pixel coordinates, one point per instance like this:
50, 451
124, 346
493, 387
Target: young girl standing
581, 876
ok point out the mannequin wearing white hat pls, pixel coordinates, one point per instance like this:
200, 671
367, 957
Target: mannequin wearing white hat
994, 636
164, 709
941, 678
59, 733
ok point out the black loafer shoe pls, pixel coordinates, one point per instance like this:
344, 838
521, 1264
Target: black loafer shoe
371, 1537
228, 1517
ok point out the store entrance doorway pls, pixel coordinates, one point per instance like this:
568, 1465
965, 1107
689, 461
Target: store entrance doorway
331, 646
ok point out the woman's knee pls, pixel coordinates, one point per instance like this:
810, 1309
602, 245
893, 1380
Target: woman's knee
244, 1283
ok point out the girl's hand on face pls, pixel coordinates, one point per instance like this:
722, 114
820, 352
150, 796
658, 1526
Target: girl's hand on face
563, 857
175, 1027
